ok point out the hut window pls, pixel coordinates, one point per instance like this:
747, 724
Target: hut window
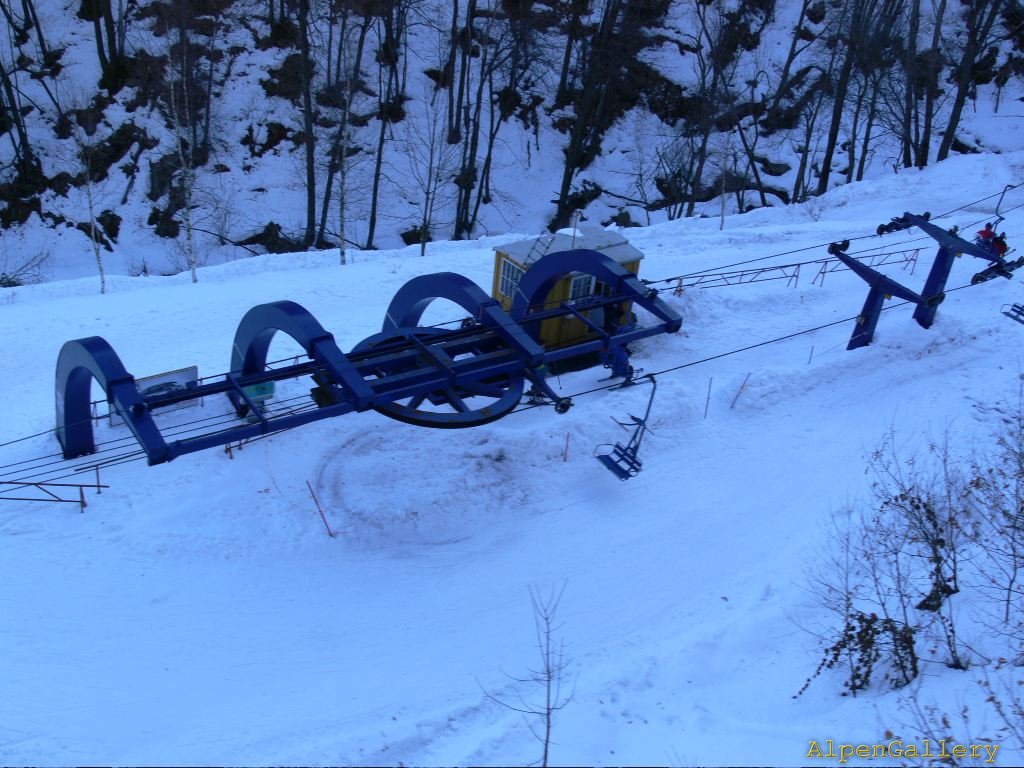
510, 277
581, 287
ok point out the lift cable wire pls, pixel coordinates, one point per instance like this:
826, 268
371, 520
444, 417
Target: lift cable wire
176, 430
39, 473
124, 458
52, 430
618, 385
825, 245
120, 443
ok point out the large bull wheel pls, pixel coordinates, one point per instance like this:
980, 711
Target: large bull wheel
452, 406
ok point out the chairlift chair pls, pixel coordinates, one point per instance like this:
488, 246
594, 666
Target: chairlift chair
622, 460
1015, 312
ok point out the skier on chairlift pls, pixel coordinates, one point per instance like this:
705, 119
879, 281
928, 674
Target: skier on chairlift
986, 236
998, 245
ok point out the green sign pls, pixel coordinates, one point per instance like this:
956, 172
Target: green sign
259, 392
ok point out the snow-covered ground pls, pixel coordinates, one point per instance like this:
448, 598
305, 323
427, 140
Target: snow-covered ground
198, 613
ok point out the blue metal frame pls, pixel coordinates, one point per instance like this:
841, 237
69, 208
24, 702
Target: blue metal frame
882, 287
78, 363
258, 328
542, 275
933, 293
411, 301
396, 372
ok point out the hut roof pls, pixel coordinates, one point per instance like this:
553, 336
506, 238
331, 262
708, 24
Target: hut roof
611, 244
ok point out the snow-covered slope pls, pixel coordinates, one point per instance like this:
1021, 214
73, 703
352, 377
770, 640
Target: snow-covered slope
198, 613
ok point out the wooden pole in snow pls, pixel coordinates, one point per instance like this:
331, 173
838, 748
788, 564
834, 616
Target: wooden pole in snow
320, 510
739, 392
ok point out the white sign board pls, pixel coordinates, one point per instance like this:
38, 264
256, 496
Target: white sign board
164, 383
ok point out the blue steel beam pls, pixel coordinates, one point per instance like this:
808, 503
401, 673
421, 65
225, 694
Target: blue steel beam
880, 287
413, 298
950, 246
948, 240
935, 287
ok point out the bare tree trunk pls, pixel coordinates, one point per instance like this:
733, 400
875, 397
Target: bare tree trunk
851, 142
748, 149
909, 97
980, 18
931, 92
448, 76
572, 36
183, 117
839, 90
390, 100
338, 155
589, 108
870, 123
465, 43
308, 124
24, 157
468, 177
795, 48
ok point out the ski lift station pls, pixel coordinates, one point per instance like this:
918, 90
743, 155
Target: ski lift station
511, 262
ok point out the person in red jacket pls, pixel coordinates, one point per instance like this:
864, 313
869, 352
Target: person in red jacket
985, 236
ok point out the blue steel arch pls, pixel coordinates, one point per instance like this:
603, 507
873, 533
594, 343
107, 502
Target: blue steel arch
408, 305
259, 326
79, 362
540, 278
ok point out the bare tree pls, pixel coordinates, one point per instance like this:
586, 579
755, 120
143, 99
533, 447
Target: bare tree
897, 567
589, 104
717, 37
390, 30
979, 18
549, 677
12, 115
999, 486
90, 178
21, 267
338, 99
863, 40
109, 19
924, 84
308, 121
431, 162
